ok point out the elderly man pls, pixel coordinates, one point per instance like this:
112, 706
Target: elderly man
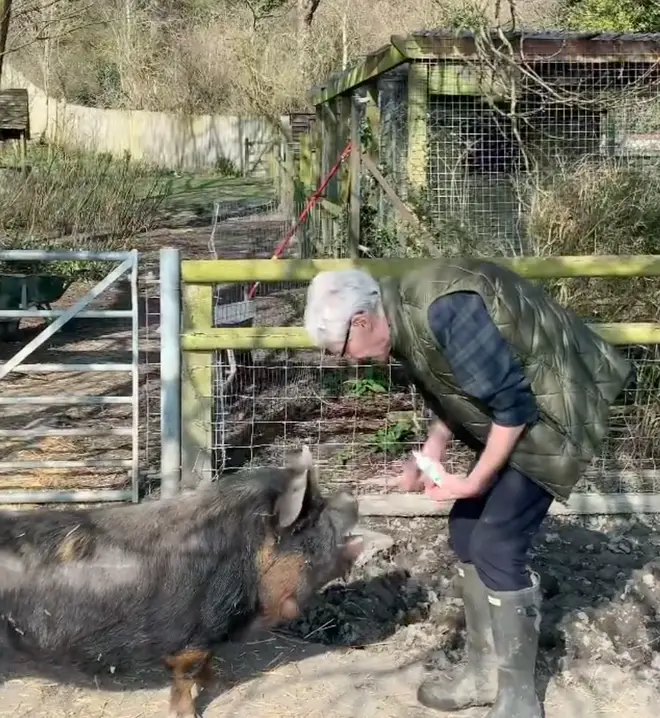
524, 383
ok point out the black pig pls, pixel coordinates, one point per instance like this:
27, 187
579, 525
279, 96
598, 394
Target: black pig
109, 587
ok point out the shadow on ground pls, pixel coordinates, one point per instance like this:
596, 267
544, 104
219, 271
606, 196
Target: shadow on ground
240, 661
599, 606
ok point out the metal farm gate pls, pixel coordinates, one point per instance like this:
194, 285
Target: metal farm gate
90, 408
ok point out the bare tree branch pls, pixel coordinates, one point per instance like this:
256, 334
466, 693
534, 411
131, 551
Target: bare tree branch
54, 27
258, 16
311, 11
41, 36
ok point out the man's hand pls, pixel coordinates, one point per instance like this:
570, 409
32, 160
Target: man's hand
501, 441
453, 487
435, 447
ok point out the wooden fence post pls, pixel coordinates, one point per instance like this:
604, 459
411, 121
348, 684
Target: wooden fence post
418, 86
355, 164
196, 390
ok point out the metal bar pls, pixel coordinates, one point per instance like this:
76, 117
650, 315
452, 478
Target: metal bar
219, 271
65, 400
65, 464
54, 313
84, 496
37, 255
170, 372
579, 505
51, 329
50, 431
64, 368
135, 388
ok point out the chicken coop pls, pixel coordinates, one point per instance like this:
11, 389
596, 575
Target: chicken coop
456, 137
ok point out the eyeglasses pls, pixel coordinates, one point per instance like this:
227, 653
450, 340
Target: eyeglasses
345, 345
348, 336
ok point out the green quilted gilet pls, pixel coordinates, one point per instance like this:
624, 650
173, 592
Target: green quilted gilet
574, 374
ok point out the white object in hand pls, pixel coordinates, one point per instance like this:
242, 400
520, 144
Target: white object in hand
428, 467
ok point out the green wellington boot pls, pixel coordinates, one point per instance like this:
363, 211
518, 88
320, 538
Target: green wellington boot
516, 620
475, 682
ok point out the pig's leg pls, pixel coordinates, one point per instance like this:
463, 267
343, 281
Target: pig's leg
190, 668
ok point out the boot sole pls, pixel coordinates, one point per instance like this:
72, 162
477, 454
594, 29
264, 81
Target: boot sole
449, 706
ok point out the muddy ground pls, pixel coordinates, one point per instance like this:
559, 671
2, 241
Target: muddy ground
362, 646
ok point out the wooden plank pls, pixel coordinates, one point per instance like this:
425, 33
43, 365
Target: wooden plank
297, 338
408, 505
331, 146
404, 212
14, 112
217, 271
332, 208
373, 118
305, 164
354, 182
532, 48
417, 155
343, 138
460, 78
327, 129
378, 62
196, 389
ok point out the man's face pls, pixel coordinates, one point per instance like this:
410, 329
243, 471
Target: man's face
367, 337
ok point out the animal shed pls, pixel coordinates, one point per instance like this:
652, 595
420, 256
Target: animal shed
460, 124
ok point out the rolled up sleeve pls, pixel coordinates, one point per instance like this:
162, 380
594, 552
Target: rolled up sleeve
480, 358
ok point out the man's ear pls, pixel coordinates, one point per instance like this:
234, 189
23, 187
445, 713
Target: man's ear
290, 502
360, 319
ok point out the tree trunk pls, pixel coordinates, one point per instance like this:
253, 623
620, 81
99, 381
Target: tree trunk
5, 15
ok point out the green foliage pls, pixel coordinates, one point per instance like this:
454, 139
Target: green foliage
226, 167
613, 15
370, 380
582, 208
394, 439
373, 381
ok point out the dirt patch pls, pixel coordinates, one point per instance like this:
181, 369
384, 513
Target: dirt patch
362, 646
601, 586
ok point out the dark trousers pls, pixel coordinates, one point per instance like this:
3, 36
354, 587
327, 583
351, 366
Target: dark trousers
494, 531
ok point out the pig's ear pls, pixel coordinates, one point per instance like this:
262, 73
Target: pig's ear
290, 502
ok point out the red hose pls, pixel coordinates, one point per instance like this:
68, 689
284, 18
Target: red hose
284, 243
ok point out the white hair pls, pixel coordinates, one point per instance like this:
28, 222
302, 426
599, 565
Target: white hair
334, 298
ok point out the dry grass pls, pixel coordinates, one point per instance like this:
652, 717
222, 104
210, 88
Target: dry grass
201, 56
58, 448
586, 208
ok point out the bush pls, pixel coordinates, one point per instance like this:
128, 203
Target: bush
607, 208
612, 15
76, 200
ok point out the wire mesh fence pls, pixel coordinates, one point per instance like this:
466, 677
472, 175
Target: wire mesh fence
361, 421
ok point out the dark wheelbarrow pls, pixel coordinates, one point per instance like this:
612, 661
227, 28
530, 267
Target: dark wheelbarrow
27, 291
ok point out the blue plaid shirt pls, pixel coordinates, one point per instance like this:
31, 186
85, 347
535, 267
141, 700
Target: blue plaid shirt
480, 359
